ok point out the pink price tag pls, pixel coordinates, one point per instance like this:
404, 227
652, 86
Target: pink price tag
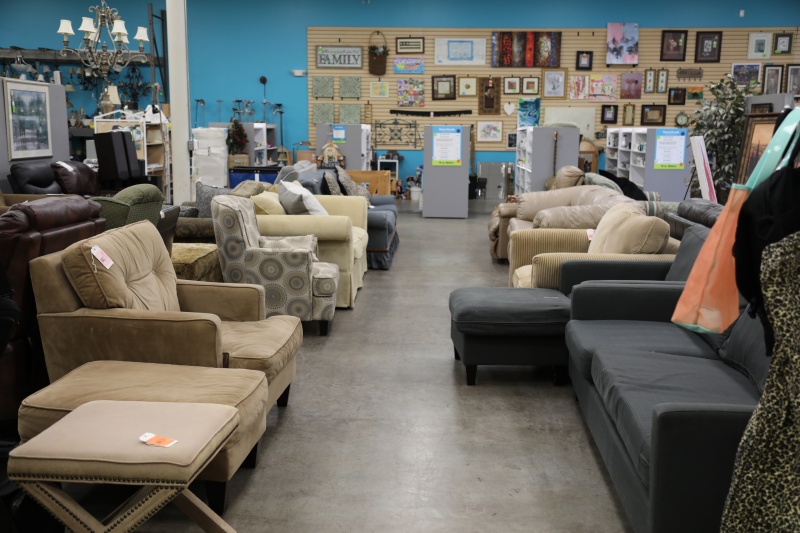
590, 234
101, 256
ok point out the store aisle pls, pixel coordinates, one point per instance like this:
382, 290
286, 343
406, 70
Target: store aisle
382, 434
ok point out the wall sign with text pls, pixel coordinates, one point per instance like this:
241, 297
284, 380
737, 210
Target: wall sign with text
339, 57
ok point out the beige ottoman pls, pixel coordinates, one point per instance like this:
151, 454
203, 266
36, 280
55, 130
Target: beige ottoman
196, 261
246, 390
78, 449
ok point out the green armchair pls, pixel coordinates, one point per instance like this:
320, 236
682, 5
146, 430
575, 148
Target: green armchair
132, 204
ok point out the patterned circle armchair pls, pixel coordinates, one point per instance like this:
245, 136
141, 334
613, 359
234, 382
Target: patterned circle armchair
295, 283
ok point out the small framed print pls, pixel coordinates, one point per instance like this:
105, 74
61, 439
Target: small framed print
708, 46
628, 114
608, 114
653, 115
782, 44
793, 80
650, 80
760, 109
676, 96
663, 78
511, 85
410, 45
511, 140
745, 74
759, 45
555, 83
444, 87
467, 86
530, 85
583, 60
673, 45
771, 84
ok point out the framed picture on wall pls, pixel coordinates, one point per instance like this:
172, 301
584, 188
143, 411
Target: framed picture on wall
793, 80
771, 84
410, 45
628, 114
530, 85
653, 115
555, 83
663, 78
608, 114
583, 60
757, 134
676, 96
444, 87
467, 86
708, 46
28, 120
746, 73
759, 45
673, 45
511, 85
782, 44
650, 80
511, 140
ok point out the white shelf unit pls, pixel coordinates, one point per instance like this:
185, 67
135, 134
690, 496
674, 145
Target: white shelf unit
262, 143
541, 151
630, 154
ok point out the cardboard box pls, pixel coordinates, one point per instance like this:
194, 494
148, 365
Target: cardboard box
238, 160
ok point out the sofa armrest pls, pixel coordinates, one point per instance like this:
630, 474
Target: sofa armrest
383, 199
233, 302
524, 244
691, 463
508, 210
326, 228
574, 272
167, 337
546, 271
355, 207
652, 301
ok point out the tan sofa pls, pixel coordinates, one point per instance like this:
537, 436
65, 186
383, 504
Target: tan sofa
341, 235
623, 234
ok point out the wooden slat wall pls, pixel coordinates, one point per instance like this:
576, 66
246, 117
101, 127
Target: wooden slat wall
734, 50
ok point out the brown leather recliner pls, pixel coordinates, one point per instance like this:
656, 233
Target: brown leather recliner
29, 230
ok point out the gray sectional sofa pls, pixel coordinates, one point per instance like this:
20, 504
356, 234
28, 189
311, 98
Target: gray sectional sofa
665, 406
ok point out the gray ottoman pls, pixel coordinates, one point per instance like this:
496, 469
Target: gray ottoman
508, 326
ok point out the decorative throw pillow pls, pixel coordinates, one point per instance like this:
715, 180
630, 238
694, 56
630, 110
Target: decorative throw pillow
74, 177
249, 188
188, 211
203, 195
330, 185
625, 230
297, 200
351, 187
268, 203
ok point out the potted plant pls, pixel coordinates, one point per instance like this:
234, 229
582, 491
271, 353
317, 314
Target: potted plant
236, 142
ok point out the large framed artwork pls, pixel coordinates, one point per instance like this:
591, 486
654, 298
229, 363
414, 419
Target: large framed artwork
547, 49
708, 47
673, 45
622, 43
757, 134
28, 120
460, 52
746, 73
771, 84
759, 45
555, 83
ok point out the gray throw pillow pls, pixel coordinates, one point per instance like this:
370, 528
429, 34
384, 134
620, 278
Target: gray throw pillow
332, 184
188, 211
296, 200
351, 187
203, 195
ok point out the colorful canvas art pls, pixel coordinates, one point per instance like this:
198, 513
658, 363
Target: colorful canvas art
528, 111
490, 131
410, 92
578, 87
631, 86
409, 65
547, 50
603, 88
622, 43
379, 89
694, 93
513, 49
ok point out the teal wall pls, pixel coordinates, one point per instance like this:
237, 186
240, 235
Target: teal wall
232, 44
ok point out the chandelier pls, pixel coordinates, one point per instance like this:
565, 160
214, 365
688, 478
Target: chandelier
96, 55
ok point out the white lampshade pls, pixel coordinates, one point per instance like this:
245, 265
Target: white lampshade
65, 28
94, 36
123, 38
113, 95
119, 28
46, 69
87, 25
141, 35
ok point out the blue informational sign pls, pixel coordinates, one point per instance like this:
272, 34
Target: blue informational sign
339, 134
446, 146
670, 153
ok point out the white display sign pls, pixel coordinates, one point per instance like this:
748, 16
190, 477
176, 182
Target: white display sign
446, 146
670, 149
703, 168
339, 57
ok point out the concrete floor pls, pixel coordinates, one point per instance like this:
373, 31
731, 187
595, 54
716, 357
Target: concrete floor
382, 434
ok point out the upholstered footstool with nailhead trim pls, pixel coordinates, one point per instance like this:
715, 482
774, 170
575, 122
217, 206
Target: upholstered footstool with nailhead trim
99, 442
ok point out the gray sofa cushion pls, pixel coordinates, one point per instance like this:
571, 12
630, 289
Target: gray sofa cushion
509, 311
631, 383
586, 337
693, 239
746, 351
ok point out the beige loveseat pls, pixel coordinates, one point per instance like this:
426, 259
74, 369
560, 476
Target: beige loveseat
341, 236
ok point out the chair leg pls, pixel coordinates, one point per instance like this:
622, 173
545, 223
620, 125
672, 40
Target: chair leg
323, 328
455, 351
472, 371
283, 399
215, 494
252, 458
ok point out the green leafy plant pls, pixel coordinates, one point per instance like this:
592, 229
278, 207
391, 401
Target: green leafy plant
237, 138
379, 50
720, 121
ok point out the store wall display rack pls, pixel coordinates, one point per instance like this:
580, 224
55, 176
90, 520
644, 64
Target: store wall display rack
541, 151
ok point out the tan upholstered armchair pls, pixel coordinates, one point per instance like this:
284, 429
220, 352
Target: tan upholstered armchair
535, 256
341, 235
136, 310
295, 284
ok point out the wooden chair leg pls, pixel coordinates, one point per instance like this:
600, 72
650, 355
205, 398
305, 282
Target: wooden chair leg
215, 494
283, 399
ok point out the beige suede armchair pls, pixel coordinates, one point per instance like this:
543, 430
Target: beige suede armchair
341, 236
624, 234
